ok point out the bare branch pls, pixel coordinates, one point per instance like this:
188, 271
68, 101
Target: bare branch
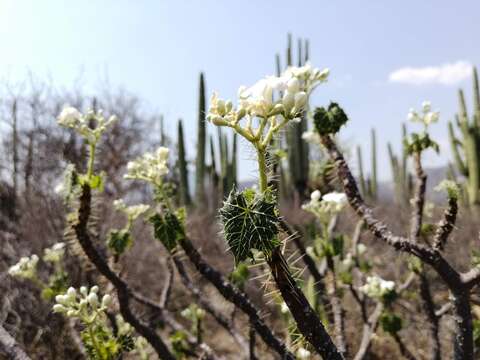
446, 225
9, 346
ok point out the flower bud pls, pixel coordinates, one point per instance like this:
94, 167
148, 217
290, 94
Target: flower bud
228, 106
59, 308
316, 195
92, 299
277, 110
241, 113
293, 85
94, 289
106, 300
71, 293
288, 100
218, 120
71, 313
300, 100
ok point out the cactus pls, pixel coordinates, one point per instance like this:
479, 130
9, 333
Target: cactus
298, 151
373, 180
182, 167
368, 185
361, 176
402, 179
466, 150
163, 137
201, 135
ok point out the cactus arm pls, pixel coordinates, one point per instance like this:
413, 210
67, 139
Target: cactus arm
476, 97
455, 143
201, 135
374, 165
182, 167
307, 50
361, 177
278, 66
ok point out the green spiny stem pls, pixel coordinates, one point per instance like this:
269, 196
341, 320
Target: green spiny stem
182, 167
91, 160
361, 178
455, 144
201, 139
476, 96
373, 188
262, 170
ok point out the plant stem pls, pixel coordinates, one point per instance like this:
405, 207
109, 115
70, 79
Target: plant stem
262, 169
94, 341
91, 161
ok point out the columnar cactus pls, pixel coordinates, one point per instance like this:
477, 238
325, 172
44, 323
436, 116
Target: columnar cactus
182, 167
298, 151
201, 140
368, 185
401, 177
466, 150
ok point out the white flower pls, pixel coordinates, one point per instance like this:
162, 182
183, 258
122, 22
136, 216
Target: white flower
315, 195
55, 253
348, 262
303, 353
335, 197
73, 119
26, 268
427, 117
361, 249
69, 117
151, 167
376, 287
329, 205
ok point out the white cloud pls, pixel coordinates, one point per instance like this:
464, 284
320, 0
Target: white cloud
446, 74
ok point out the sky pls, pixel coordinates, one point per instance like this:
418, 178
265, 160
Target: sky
384, 57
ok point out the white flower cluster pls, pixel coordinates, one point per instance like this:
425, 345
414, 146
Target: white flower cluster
193, 312
26, 268
83, 304
55, 253
294, 86
73, 119
427, 116
132, 212
326, 206
377, 288
303, 354
450, 186
150, 167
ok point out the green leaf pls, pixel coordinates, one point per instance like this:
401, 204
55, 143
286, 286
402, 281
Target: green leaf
391, 323
329, 121
239, 275
119, 240
337, 245
168, 228
250, 221
96, 182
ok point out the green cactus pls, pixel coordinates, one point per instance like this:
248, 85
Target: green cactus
361, 176
298, 150
467, 149
373, 180
182, 167
402, 179
201, 139
163, 137
368, 185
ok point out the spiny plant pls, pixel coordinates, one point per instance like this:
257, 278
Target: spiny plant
368, 184
259, 119
467, 148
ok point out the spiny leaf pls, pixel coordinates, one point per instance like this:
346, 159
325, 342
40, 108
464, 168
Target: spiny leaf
168, 228
250, 222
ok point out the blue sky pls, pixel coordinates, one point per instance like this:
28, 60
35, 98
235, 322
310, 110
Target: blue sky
157, 48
